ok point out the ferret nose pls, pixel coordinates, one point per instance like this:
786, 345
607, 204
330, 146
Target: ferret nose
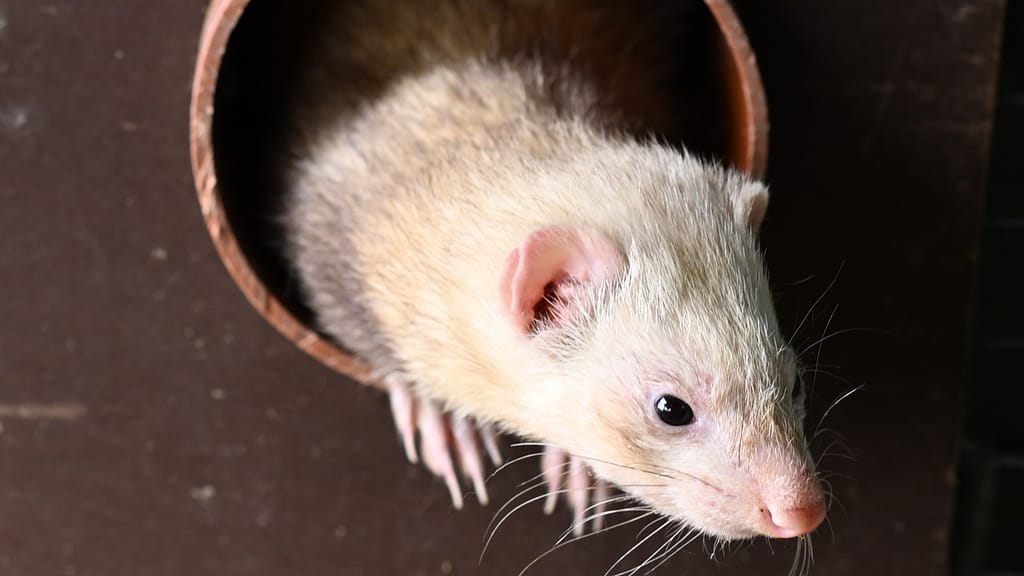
792, 522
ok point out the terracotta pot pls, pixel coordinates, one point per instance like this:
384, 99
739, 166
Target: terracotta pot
747, 149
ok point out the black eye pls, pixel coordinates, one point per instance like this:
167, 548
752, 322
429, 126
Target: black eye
673, 411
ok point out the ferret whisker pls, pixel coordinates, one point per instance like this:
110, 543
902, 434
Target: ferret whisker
821, 343
818, 370
716, 545
832, 499
844, 448
680, 473
836, 475
830, 336
606, 501
633, 548
835, 500
824, 453
695, 534
847, 457
510, 513
544, 473
744, 544
794, 568
647, 561
582, 537
821, 431
807, 347
797, 568
829, 492
646, 527
572, 528
659, 553
704, 545
609, 500
691, 535
808, 555
817, 301
839, 446
608, 462
511, 501
846, 395
803, 280
831, 528
513, 461
823, 366
591, 458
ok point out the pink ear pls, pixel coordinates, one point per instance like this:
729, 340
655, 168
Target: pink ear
555, 258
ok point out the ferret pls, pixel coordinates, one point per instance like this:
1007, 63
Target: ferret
471, 210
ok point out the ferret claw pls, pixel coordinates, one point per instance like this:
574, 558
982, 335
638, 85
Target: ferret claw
551, 464
470, 459
490, 440
602, 491
443, 438
577, 488
403, 410
577, 484
436, 450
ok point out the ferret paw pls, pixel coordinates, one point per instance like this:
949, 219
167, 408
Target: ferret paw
444, 438
581, 488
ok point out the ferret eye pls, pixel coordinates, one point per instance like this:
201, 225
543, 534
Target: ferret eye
673, 411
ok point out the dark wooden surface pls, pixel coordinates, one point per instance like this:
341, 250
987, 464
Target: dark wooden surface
990, 503
153, 424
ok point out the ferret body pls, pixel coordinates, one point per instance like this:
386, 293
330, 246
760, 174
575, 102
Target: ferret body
481, 232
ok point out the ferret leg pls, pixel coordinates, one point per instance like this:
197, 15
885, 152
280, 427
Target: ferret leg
490, 440
601, 493
577, 488
470, 459
552, 464
403, 410
442, 438
411, 413
436, 446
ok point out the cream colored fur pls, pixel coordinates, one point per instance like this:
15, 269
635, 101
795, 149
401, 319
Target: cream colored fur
422, 195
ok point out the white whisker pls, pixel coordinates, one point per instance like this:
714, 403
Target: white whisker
818, 300
583, 537
834, 404
626, 554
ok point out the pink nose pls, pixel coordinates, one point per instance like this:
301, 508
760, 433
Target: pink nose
793, 522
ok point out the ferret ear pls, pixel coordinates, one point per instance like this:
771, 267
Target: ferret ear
542, 274
749, 205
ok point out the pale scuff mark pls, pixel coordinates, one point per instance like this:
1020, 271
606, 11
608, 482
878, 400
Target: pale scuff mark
202, 493
13, 117
30, 411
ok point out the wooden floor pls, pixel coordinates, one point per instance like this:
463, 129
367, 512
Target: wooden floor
154, 424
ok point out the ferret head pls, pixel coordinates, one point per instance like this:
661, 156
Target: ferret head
663, 366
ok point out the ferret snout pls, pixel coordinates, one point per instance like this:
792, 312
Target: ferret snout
790, 510
792, 521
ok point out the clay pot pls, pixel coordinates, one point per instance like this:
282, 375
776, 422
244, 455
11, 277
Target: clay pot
746, 148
